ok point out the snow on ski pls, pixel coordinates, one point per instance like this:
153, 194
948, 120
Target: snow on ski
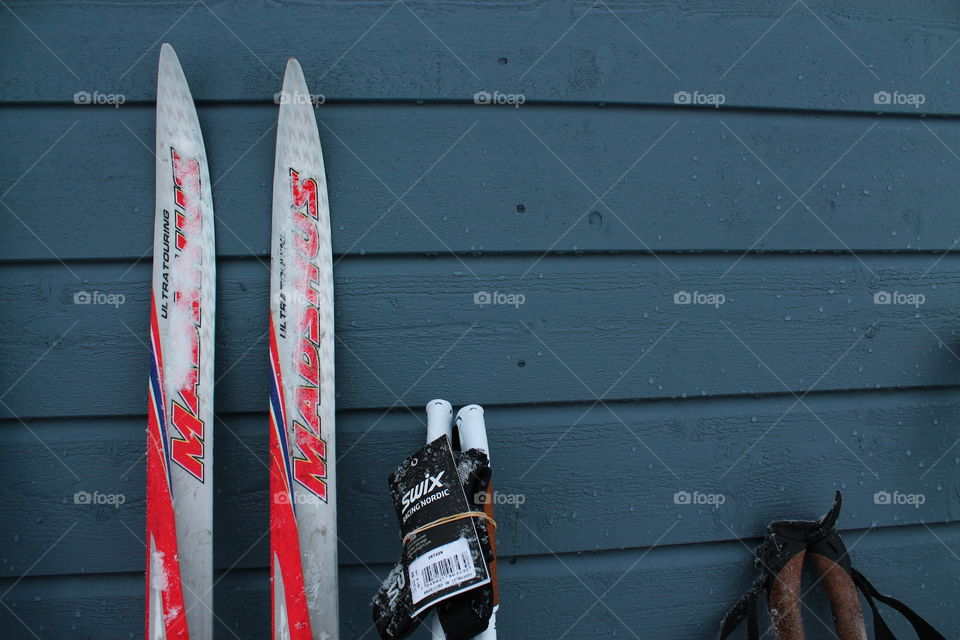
180, 415
303, 505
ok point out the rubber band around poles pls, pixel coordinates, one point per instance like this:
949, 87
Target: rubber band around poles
453, 518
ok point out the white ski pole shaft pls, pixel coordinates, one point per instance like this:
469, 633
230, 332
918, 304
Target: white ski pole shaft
439, 423
473, 435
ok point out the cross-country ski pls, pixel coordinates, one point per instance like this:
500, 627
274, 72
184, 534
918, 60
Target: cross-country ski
180, 415
303, 498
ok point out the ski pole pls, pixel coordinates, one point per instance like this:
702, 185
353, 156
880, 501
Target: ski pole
439, 423
473, 435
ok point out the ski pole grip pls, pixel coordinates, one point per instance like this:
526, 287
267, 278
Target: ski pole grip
439, 417
473, 431
785, 605
843, 596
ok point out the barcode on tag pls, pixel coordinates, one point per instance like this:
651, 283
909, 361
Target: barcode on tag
443, 567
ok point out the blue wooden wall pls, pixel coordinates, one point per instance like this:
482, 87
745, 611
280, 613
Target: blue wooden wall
598, 200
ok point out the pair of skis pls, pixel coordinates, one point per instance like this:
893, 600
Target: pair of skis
303, 534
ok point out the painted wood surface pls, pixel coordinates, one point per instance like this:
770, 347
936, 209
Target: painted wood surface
667, 592
588, 215
613, 475
473, 179
813, 56
589, 326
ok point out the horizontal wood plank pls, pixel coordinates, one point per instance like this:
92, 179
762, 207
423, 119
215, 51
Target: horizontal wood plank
481, 181
612, 473
816, 55
667, 592
589, 326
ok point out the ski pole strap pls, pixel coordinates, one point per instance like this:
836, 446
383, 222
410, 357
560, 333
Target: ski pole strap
753, 624
881, 631
829, 556
745, 609
453, 518
781, 556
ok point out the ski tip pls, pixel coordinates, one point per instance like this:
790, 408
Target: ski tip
293, 69
170, 65
168, 54
294, 83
